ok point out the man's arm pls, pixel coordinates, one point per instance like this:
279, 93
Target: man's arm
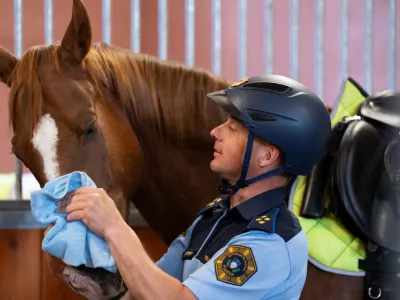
144, 279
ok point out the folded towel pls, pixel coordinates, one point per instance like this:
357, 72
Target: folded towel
72, 242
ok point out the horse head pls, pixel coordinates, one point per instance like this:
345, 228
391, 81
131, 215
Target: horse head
63, 121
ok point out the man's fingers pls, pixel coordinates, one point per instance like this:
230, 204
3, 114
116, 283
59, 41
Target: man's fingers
77, 215
82, 190
73, 199
74, 206
85, 190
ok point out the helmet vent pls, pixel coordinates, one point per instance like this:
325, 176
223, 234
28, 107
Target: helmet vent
268, 86
260, 116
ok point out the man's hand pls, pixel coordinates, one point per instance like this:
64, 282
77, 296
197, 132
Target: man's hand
93, 207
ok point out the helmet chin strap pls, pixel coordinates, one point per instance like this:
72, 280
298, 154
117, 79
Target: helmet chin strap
227, 188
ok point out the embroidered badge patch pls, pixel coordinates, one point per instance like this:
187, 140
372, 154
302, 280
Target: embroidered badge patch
188, 254
184, 233
236, 265
262, 219
214, 201
240, 82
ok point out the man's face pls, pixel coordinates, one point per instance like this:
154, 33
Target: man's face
230, 145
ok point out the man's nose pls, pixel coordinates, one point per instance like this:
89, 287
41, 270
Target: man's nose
216, 133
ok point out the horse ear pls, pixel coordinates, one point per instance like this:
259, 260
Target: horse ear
7, 64
78, 37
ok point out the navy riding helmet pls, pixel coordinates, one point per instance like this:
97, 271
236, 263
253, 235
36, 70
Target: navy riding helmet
282, 112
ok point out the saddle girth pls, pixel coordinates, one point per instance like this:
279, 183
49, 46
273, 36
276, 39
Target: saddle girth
382, 269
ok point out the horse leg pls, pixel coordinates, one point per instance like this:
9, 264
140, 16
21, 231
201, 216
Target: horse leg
329, 286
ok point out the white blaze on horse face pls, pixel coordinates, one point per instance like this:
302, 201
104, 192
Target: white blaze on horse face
45, 140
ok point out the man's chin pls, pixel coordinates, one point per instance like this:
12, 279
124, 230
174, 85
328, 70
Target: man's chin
217, 171
214, 168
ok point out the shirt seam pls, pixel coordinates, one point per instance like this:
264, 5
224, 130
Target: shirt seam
290, 266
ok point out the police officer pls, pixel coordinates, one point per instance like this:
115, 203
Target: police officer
245, 243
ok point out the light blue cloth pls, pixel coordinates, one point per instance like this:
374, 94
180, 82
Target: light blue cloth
72, 242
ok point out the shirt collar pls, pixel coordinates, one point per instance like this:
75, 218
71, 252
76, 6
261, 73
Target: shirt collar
258, 204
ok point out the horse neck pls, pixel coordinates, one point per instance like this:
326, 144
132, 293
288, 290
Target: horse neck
170, 113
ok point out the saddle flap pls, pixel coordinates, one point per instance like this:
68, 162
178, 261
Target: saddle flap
357, 172
385, 215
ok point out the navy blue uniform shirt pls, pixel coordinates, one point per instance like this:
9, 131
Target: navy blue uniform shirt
257, 250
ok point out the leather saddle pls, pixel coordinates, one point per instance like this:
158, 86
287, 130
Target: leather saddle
360, 173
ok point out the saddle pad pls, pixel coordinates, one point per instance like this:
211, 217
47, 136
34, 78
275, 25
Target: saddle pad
331, 247
7, 181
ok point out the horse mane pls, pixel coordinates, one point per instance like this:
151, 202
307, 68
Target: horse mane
25, 86
167, 96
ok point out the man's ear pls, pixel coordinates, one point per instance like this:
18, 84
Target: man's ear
270, 155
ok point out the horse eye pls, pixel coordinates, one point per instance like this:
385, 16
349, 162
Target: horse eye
91, 131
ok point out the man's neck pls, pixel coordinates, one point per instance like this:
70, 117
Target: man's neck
257, 188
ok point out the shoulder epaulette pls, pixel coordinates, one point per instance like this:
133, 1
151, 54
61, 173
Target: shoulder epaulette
213, 204
264, 222
280, 221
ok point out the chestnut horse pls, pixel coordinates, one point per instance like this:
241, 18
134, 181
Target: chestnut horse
138, 126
